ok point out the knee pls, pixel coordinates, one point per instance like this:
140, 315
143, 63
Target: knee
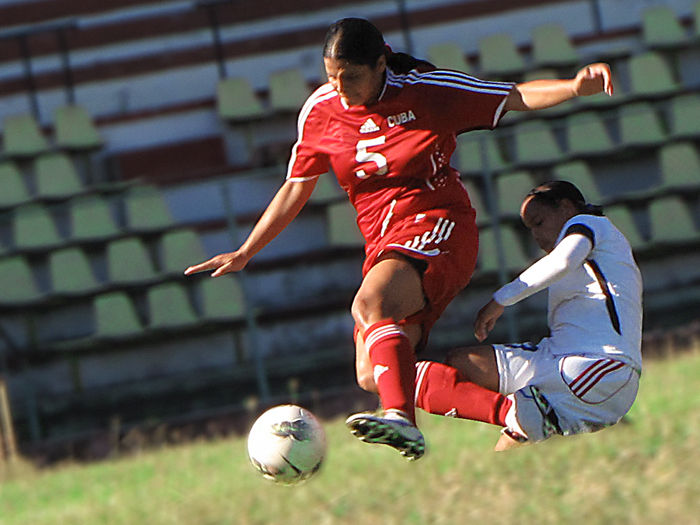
365, 379
365, 307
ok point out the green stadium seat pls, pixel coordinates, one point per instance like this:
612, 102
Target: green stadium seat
448, 55
327, 190
17, 281
75, 129
516, 260
588, 134
685, 116
535, 144
91, 219
71, 272
640, 125
579, 173
498, 55
288, 90
22, 137
342, 225
621, 216
511, 189
661, 28
169, 306
180, 249
14, 190
552, 47
680, 166
34, 227
651, 75
56, 176
115, 316
146, 209
482, 212
222, 298
671, 221
236, 100
128, 261
470, 157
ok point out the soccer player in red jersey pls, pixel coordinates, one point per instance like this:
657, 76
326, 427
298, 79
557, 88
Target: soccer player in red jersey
386, 124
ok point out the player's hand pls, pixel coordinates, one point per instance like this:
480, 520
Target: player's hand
221, 264
593, 79
486, 319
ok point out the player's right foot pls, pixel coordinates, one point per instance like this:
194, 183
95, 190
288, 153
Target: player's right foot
388, 428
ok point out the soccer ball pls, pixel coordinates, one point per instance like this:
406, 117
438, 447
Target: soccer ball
287, 444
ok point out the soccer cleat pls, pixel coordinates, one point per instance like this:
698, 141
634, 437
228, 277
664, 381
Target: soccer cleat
388, 428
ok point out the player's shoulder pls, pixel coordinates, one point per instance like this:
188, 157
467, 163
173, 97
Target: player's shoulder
598, 228
431, 77
320, 98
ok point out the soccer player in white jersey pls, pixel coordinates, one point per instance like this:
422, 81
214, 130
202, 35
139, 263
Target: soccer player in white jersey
385, 123
581, 378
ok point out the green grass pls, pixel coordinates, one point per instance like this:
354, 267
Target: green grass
644, 472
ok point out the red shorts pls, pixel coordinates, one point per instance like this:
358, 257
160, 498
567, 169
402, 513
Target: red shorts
446, 241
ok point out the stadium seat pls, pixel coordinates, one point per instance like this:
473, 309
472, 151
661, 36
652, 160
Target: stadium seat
511, 189
640, 125
91, 219
448, 55
342, 225
75, 129
671, 221
22, 137
180, 249
661, 28
535, 144
621, 216
128, 261
684, 116
169, 306
516, 259
115, 316
475, 196
288, 90
552, 47
588, 134
71, 272
56, 176
498, 55
680, 166
17, 280
651, 75
146, 209
327, 190
222, 298
14, 190
236, 101
34, 227
579, 173
470, 155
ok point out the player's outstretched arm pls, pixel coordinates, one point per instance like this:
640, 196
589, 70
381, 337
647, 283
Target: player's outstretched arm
540, 94
286, 204
486, 319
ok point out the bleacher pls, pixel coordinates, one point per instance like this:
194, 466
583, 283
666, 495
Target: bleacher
141, 137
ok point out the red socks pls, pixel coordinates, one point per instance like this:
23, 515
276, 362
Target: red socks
441, 390
393, 361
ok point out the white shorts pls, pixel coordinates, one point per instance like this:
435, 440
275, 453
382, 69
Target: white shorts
563, 394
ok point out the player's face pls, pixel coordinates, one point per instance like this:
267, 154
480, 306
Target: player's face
358, 85
544, 221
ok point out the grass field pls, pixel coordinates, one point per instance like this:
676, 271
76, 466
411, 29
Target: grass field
643, 472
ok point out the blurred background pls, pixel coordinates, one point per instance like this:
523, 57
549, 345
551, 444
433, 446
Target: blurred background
140, 137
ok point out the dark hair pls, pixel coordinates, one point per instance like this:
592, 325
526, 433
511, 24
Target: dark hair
359, 41
552, 192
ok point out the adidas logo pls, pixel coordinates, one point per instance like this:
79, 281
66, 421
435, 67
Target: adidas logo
369, 126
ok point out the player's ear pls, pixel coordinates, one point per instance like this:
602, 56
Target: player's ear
381, 64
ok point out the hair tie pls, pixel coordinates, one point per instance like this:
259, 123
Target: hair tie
594, 209
387, 50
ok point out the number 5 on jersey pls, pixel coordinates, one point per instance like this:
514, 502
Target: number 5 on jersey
370, 156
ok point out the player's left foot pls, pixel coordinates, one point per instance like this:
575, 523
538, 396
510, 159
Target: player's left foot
388, 428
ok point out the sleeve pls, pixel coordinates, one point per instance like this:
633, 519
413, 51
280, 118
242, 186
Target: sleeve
570, 253
466, 103
307, 160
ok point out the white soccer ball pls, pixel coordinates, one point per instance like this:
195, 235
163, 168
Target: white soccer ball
287, 444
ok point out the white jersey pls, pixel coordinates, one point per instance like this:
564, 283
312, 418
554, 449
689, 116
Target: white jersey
595, 291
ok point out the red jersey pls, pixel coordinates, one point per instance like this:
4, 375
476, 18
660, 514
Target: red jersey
390, 151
